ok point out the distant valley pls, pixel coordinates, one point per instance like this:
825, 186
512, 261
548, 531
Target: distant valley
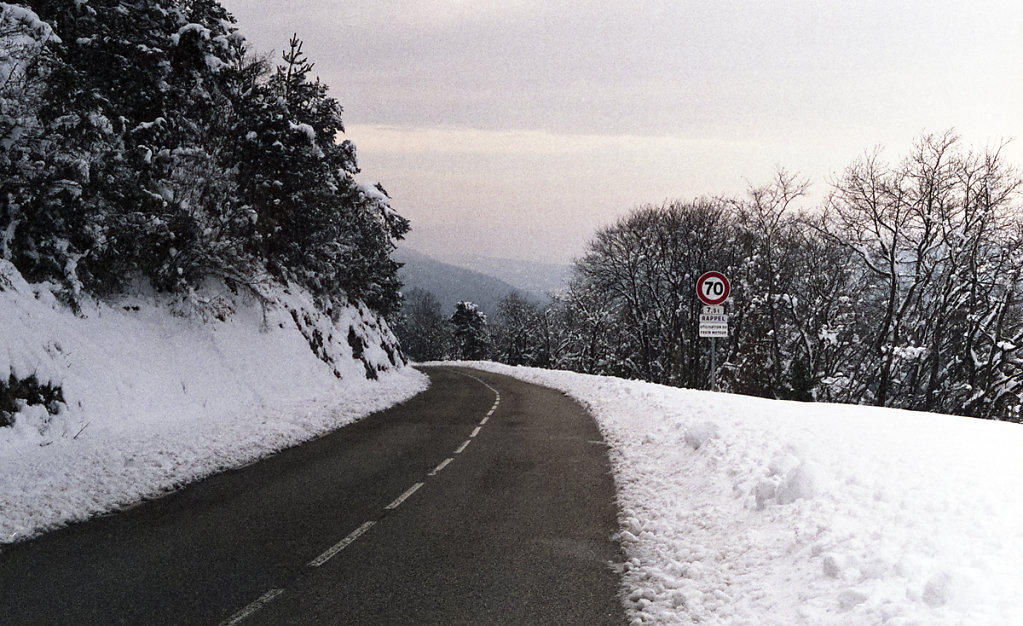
482, 280
533, 278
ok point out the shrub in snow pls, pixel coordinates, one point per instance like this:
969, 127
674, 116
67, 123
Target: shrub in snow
16, 394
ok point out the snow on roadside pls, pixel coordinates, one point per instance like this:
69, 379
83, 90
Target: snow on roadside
739, 510
154, 400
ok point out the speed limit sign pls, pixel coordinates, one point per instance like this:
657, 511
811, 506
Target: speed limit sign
713, 288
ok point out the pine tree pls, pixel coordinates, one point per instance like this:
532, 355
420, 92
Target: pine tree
315, 224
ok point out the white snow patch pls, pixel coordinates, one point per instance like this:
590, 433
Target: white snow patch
21, 21
304, 129
310, 134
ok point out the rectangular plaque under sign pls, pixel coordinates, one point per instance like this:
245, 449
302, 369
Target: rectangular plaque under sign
714, 330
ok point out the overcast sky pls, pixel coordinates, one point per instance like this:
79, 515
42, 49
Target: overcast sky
516, 128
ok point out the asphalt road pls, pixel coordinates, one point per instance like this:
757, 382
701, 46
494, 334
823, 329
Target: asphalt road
483, 500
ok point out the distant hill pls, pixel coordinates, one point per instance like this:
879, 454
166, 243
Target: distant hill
450, 283
535, 279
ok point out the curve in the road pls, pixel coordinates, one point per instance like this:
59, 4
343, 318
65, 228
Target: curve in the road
516, 529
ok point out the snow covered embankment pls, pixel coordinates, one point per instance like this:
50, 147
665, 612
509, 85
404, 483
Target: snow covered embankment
152, 400
739, 510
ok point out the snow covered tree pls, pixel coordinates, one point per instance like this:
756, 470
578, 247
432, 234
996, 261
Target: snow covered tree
27, 58
764, 317
641, 274
127, 185
191, 144
50, 219
140, 142
472, 336
825, 338
315, 224
580, 324
517, 332
936, 240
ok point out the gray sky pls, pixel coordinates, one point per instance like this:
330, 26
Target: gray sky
516, 128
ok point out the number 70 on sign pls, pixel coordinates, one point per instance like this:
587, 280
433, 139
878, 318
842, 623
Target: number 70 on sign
712, 288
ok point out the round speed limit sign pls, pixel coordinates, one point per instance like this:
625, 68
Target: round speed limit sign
713, 288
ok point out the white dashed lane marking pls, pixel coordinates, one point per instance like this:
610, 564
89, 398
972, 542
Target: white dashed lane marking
331, 552
257, 604
397, 501
341, 545
442, 465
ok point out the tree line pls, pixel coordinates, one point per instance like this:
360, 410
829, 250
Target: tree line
902, 289
140, 140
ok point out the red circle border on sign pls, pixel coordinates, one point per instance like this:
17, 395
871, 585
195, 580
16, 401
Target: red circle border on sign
704, 278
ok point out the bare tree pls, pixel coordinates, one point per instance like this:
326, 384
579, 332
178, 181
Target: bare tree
936, 258
767, 293
516, 332
904, 289
422, 328
643, 271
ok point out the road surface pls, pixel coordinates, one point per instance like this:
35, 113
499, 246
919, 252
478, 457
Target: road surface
483, 500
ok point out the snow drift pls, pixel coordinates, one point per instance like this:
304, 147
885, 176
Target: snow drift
153, 396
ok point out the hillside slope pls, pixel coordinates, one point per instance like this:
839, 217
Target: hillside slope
450, 283
128, 399
535, 279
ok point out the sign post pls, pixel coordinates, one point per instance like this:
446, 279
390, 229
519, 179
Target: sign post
713, 289
713, 365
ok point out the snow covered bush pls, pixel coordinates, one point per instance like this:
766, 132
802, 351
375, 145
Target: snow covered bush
18, 395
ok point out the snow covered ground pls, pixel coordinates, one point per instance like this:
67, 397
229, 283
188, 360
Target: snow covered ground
154, 399
738, 510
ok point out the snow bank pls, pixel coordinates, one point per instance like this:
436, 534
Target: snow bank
739, 510
153, 399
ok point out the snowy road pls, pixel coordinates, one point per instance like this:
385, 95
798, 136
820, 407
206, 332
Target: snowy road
482, 500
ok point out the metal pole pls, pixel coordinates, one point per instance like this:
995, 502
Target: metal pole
713, 366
